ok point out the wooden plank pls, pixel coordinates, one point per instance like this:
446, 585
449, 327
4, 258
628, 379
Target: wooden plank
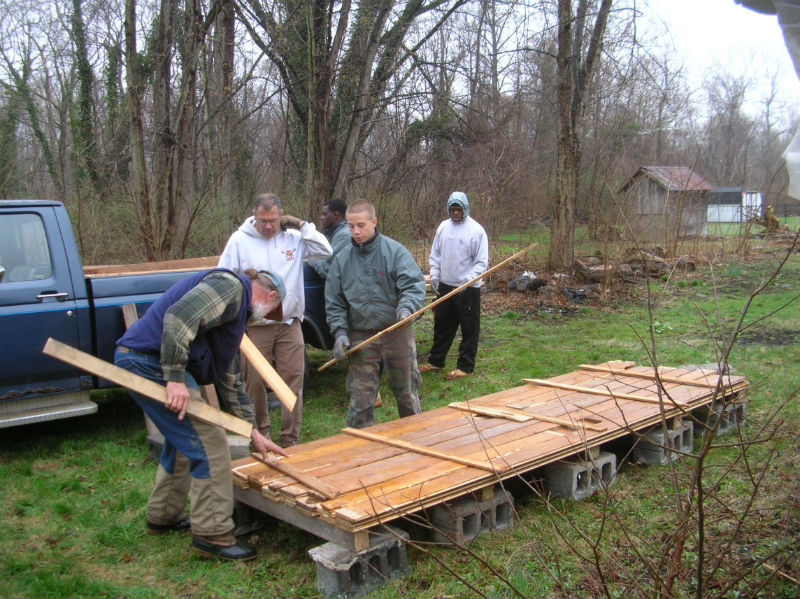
144, 386
323, 489
267, 373
521, 415
711, 384
595, 391
418, 449
181, 265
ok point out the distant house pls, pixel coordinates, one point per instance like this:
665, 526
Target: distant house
666, 203
733, 205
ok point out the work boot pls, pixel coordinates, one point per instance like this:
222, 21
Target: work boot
161, 529
378, 402
222, 546
428, 367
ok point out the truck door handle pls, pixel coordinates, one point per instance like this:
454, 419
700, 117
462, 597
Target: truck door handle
60, 296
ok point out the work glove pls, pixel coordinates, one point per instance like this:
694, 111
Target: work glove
402, 314
435, 286
341, 344
288, 221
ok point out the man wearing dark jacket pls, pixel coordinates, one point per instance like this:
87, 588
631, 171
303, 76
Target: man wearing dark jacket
372, 284
191, 336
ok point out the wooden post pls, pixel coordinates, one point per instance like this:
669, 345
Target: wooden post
434, 303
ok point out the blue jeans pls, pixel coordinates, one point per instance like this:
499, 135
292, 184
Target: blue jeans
195, 459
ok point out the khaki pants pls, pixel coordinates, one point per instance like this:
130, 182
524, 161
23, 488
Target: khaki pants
282, 344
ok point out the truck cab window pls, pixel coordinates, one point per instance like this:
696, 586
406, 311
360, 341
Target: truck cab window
24, 253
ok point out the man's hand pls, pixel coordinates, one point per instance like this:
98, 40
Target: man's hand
435, 286
263, 445
341, 345
177, 398
288, 221
402, 314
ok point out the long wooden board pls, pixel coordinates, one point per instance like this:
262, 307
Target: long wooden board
598, 391
522, 415
420, 449
267, 373
325, 490
711, 384
146, 387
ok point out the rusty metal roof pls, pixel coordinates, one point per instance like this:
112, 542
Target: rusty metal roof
675, 178
671, 178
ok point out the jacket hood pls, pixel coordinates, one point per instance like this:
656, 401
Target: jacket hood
459, 198
248, 227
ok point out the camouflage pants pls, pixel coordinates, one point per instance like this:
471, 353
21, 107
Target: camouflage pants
398, 352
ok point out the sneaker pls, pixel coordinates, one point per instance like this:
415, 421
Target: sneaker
456, 374
428, 367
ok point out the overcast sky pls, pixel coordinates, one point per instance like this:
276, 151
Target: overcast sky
719, 34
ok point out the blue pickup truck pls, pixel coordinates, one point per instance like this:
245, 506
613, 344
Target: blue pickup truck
46, 292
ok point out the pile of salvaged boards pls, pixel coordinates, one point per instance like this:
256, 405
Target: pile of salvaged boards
369, 477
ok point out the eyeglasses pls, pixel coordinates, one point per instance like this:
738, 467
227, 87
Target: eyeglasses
264, 221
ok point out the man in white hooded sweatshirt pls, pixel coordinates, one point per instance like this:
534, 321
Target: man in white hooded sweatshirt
272, 240
460, 252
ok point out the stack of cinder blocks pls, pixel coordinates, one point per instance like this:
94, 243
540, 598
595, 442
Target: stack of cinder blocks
344, 573
458, 522
665, 444
578, 479
730, 415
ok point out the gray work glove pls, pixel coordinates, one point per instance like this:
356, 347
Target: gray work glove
402, 314
341, 344
288, 221
435, 286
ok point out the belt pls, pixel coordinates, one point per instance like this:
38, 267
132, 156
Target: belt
127, 350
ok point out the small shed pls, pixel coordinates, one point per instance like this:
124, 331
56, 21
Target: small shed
666, 203
733, 205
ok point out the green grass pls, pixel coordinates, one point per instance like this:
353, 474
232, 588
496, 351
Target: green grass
74, 491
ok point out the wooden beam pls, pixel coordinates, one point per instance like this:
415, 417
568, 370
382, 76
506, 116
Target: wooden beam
316, 485
267, 373
600, 391
652, 376
442, 455
143, 386
419, 312
523, 416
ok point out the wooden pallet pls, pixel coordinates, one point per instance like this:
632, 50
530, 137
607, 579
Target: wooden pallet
396, 468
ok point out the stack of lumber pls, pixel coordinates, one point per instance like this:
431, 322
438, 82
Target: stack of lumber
396, 468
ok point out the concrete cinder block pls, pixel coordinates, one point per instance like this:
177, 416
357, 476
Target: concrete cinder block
730, 416
661, 446
577, 480
458, 522
344, 573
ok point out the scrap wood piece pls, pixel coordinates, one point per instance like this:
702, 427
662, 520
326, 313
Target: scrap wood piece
267, 373
523, 416
422, 449
600, 391
652, 376
312, 482
143, 386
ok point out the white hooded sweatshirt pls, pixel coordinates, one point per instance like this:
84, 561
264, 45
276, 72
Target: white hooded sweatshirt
285, 254
460, 251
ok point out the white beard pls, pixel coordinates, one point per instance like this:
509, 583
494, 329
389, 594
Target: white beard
258, 311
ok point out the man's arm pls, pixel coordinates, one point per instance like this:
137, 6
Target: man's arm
409, 281
341, 239
480, 247
315, 244
335, 302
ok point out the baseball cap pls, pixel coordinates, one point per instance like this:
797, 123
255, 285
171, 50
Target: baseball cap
277, 282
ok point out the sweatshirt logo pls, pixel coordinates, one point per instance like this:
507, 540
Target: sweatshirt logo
289, 254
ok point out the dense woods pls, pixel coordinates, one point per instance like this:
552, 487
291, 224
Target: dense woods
156, 121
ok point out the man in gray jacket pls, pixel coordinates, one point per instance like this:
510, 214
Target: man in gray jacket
372, 284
